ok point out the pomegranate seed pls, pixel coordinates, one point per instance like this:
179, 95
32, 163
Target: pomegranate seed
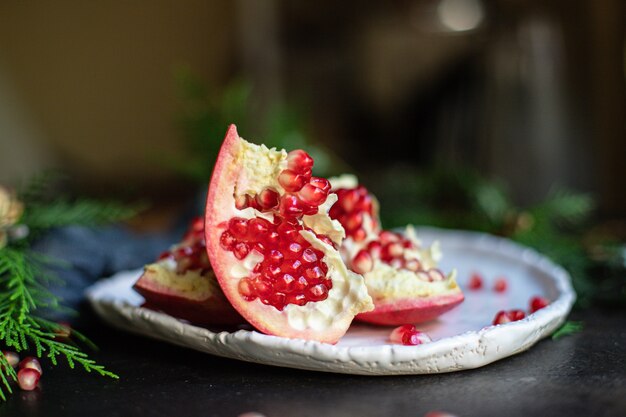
359, 235
386, 237
312, 195
290, 206
291, 266
299, 161
408, 335
516, 315
267, 199
348, 199
435, 275
227, 240
374, 247
537, 303
11, 357
245, 288
238, 227
309, 256
503, 317
353, 221
297, 299
500, 285
258, 227
32, 363
362, 262
285, 283
27, 378
300, 284
414, 338
241, 250
475, 282
320, 183
439, 414
413, 265
241, 202
275, 257
398, 332
291, 181
314, 273
318, 292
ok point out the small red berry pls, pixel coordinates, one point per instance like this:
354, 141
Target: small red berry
537, 303
27, 378
475, 282
500, 285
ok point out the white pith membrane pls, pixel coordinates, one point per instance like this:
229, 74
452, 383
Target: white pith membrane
194, 284
386, 282
252, 169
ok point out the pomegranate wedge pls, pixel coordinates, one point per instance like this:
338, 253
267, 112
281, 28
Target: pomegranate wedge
182, 284
401, 275
273, 246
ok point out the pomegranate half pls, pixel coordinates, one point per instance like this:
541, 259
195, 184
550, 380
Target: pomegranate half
273, 246
182, 283
400, 273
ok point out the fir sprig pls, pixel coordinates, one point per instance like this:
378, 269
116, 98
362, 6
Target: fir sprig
22, 293
568, 328
24, 281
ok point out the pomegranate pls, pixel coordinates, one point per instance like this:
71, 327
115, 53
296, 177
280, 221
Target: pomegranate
273, 246
401, 275
182, 283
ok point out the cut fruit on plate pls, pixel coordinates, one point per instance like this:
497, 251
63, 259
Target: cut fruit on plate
462, 339
401, 274
273, 246
182, 284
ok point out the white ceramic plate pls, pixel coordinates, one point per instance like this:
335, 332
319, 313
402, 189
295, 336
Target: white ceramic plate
462, 338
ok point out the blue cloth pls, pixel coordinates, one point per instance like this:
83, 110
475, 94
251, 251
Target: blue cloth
94, 253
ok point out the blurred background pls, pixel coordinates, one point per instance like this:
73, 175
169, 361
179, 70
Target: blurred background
529, 92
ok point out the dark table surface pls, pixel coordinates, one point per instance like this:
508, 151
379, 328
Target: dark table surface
578, 375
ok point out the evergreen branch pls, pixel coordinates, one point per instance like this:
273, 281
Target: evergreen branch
565, 206
22, 293
568, 328
84, 212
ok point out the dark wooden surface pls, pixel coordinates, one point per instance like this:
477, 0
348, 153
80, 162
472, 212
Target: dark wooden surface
578, 375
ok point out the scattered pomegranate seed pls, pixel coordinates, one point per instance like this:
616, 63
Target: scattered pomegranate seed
439, 414
30, 362
475, 282
12, 358
27, 378
500, 285
503, 317
408, 335
537, 303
